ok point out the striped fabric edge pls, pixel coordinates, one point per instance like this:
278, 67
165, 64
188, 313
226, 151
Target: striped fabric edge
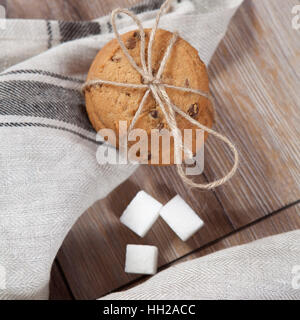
24, 121
39, 72
55, 32
71, 30
44, 100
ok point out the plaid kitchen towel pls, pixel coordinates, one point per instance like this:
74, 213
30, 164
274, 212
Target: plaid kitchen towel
48, 170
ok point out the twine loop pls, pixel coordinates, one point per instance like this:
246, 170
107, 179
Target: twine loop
155, 85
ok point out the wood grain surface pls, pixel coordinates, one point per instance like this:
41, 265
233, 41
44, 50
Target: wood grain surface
59, 289
255, 81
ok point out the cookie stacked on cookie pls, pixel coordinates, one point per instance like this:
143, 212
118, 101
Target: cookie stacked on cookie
107, 104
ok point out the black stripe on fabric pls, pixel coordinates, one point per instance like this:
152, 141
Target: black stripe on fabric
44, 73
149, 6
50, 35
32, 124
110, 28
38, 99
70, 30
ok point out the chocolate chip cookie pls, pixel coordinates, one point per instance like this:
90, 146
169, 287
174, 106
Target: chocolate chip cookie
107, 104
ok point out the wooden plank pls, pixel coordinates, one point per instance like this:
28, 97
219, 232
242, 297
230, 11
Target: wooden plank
58, 287
3, 3
69, 10
283, 221
256, 86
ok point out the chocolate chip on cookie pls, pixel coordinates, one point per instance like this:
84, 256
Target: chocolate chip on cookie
154, 114
130, 43
193, 110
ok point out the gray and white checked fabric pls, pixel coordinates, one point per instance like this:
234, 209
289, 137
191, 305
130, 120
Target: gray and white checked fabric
48, 170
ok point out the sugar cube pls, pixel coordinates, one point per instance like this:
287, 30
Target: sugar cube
141, 259
141, 213
181, 218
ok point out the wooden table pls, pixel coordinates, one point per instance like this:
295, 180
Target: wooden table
255, 80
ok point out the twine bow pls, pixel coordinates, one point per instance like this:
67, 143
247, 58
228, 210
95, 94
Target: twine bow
154, 85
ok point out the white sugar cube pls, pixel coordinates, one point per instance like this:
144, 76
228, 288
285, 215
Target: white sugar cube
141, 213
181, 218
141, 259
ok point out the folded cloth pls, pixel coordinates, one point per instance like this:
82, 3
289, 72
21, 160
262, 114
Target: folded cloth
264, 269
48, 168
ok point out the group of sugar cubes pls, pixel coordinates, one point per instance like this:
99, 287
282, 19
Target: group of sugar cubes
140, 216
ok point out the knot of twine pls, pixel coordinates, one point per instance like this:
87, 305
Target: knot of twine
154, 85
